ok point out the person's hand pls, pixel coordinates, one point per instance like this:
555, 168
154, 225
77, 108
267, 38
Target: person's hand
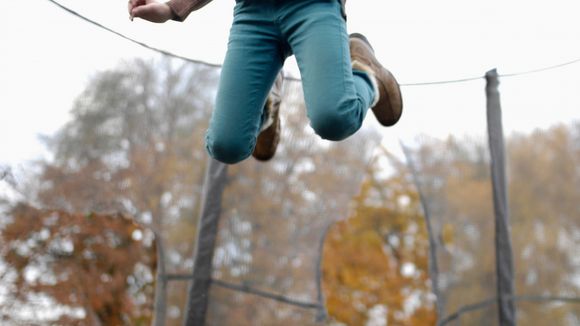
151, 10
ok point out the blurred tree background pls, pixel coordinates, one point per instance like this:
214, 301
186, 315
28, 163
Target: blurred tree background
376, 261
543, 186
132, 146
78, 247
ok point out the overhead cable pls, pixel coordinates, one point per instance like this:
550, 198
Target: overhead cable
164, 52
427, 83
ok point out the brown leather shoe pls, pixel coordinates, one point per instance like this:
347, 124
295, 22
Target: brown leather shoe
388, 107
269, 136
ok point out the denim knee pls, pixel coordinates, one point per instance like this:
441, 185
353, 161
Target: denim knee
334, 123
229, 150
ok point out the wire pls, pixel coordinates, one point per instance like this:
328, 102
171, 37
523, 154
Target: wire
552, 67
442, 82
428, 83
518, 298
264, 294
247, 289
164, 52
516, 74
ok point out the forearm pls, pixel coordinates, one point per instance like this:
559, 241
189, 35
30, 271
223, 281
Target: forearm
182, 8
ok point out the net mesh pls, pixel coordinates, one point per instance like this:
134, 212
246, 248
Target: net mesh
453, 177
135, 144
452, 174
543, 196
275, 214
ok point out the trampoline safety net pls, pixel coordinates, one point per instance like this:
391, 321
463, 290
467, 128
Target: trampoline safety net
443, 219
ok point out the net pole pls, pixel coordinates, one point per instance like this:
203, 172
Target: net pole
198, 296
160, 304
503, 247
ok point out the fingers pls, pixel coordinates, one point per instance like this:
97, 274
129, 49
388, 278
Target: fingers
130, 7
137, 3
132, 4
153, 12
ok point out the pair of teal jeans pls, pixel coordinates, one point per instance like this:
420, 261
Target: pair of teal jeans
263, 34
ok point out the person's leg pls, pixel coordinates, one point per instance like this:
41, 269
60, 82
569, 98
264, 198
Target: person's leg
337, 97
253, 59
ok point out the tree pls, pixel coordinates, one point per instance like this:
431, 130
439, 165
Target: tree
376, 260
544, 196
542, 184
87, 269
134, 144
274, 216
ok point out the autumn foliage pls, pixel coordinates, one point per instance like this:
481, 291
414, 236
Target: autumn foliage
135, 145
97, 269
376, 261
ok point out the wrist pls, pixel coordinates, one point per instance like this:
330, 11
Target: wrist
173, 15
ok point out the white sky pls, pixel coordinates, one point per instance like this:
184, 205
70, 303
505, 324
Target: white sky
47, 56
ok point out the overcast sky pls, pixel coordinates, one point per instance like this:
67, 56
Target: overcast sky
47, 56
